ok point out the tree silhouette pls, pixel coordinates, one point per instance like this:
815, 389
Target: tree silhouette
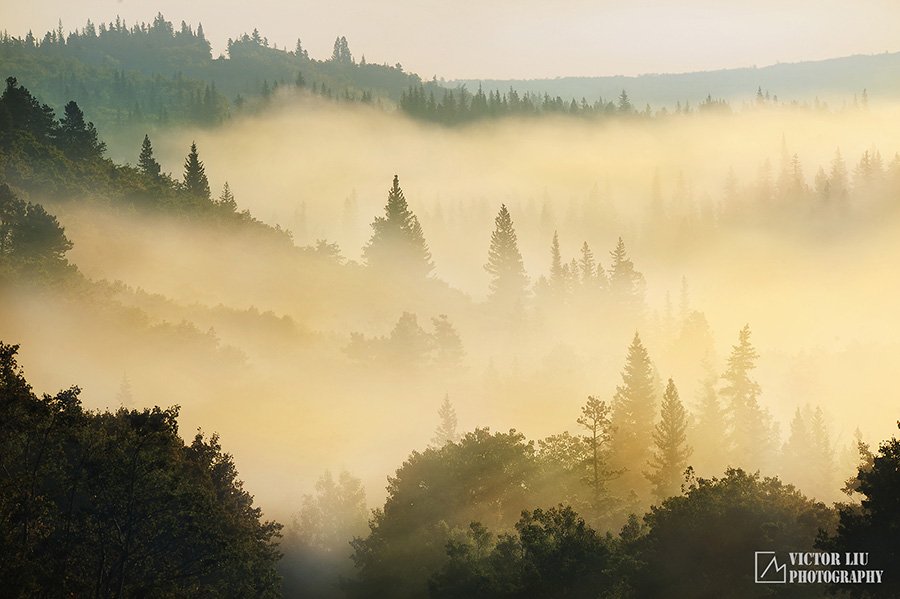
749, 426
397, 244
671, 451
633, 412
504, 264
147, 163
446, 429
195, 181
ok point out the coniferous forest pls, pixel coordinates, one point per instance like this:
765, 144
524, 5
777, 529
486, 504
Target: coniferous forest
273, 325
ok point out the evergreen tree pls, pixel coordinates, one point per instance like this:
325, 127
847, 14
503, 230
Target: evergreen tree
226, 200
147, 163
595, 419
749, 426
195, 181
633, 412
504, 264
397, 243
587, 265
448, 345
446, 429
709, 433
624, 105
76, 138
557, 278
671, 452
626, 285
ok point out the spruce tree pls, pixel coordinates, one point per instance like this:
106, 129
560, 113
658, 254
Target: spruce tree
633, 413
195, 181
626, 285
147, 163
557, 276
448, 346
397, 244
709, 432
76, 138
587, 265
749, 426
504, 264
671, 451
226, 200
446, 429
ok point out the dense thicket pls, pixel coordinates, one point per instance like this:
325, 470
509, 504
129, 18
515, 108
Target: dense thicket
117, 505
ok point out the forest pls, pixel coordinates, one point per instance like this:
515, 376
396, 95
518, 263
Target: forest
428, 342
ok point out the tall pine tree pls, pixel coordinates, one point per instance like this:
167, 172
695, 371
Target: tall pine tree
446, 429
633, 413
195, 181
508, 279
398, 244
147, 163
749, 427
671, 451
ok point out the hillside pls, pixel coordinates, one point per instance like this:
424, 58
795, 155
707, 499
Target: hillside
834, 80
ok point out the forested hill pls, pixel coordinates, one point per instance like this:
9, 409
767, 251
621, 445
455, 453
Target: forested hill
834, 80
159, 73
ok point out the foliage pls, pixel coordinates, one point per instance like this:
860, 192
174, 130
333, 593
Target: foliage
874, 525
702, 544
115, 504
484, 477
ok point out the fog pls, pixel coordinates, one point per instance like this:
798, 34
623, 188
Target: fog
248, 334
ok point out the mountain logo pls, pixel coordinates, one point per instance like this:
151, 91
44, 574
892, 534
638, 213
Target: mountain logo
768, 570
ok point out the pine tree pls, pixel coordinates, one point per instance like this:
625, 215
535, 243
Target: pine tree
626, 285
557, 278
710, 429
587, 265
633, 412
195, 181
448, 345
595, 419
446, 430
76, 138
226, 200
397, 244
671, 451
504, 264
749, 426
147, 163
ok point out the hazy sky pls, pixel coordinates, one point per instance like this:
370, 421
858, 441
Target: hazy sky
519, 38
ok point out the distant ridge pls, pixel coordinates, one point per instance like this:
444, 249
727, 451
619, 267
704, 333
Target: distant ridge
834, 80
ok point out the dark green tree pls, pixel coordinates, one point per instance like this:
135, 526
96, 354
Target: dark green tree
485, 477
671, 451
872, 526
508, 279
397, 244
76, 138
195, 181
147, 163
117, 505
699, 544
226, 200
